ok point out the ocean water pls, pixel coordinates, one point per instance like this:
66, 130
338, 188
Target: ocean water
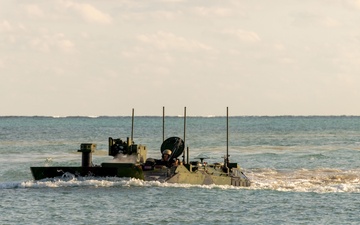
304, 170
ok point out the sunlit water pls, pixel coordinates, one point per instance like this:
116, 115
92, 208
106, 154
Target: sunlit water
303, 170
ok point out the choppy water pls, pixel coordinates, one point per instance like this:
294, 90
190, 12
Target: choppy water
303, 170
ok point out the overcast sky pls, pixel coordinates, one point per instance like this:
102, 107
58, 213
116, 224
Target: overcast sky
105, 57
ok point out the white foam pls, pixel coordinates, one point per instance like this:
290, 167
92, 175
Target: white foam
321, 180
70, 181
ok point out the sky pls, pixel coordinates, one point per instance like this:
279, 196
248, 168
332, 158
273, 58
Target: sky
106, 57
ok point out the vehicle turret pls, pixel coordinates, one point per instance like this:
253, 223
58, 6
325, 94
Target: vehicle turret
119, 147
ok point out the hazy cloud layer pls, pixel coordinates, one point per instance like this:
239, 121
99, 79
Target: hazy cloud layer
105, 57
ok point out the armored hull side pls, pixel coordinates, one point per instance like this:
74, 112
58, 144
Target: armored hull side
207, 176
181, 174
106, 170
186, 174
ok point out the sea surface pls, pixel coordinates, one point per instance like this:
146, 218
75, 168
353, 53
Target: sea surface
304, 170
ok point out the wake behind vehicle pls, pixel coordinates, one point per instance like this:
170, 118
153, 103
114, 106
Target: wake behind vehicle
130, 160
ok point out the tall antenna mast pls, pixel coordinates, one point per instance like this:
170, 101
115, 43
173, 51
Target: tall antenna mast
132, 126
184, 124
227, 136
187, 155
163, 124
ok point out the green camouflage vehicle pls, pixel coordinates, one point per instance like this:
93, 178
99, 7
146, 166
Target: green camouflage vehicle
130, 160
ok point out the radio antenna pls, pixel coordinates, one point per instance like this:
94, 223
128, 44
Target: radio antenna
227, 136
132, 126
185, 136
163, 130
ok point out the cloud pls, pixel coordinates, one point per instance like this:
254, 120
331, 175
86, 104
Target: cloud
48, 43
172, 1
5, 26
65, 45
330, 22
88, 12
309, 19
167, 15
34, 10
243, 35
352, 3
169, 41
250, 49
212, 11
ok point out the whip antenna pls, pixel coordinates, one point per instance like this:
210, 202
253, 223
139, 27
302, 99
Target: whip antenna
163, 130
185, 136
132, 126
227, 136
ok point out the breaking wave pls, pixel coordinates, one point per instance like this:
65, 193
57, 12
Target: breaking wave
71, 181
323, 180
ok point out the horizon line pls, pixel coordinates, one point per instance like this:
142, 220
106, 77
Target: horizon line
189, 116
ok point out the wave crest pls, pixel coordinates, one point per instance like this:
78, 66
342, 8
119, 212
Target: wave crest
323, 180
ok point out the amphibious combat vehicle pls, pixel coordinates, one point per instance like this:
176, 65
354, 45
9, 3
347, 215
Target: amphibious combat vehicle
130, 160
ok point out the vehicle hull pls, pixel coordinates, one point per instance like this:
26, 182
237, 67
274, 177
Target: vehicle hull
181, 174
